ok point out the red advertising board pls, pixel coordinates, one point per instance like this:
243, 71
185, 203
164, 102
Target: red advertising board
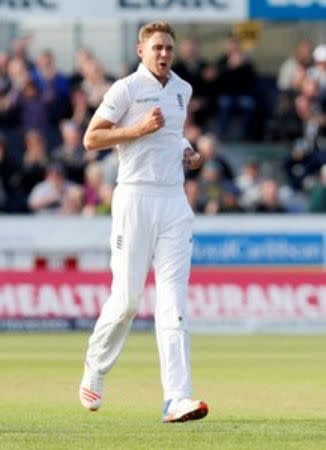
213, 295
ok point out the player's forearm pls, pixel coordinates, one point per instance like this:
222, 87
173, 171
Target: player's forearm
101, 139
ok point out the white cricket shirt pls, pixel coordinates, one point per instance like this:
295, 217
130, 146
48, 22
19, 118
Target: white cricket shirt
155, 158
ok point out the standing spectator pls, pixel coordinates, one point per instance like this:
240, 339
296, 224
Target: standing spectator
19, 50
18, 78
190, 66
318, 195
30, 108
82, 57
54, 87
236, 78
94, 84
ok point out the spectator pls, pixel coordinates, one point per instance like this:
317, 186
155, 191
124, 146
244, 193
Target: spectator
71, 153
110, 166
236, 78
301, 164
93, 182
269, 202
53, 86
34, 164
80, 112
309, 110
248, 183
19, 50
105, 194
209, 147
318, 195
4, 77
318, 71
30, 109
209, 180
82, 57
73, 201
49, 195
229, 203
192, 189
94, 84
8, 174
18, 78
296, 64
190, 66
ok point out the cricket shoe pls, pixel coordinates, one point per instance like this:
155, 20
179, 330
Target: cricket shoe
184, 409
90, 389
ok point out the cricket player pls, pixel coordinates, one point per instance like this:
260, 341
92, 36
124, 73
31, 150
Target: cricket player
143, 115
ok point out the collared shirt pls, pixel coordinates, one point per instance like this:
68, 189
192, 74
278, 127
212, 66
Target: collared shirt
155, 158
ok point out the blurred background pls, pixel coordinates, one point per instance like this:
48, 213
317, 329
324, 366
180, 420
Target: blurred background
258, 115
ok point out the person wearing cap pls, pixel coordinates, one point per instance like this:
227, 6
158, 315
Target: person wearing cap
318, 71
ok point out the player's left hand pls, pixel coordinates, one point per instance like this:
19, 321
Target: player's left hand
192, 159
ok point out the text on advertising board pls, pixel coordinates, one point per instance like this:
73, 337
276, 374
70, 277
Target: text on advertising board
164, 4
27, 4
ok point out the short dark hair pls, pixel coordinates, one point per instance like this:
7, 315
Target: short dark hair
147, 30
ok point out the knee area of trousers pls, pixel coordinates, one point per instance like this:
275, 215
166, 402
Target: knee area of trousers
128, 313
175, 323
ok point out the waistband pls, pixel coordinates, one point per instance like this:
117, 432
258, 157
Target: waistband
151, 189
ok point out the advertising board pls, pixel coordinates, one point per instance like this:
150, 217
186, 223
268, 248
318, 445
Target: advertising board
218, 300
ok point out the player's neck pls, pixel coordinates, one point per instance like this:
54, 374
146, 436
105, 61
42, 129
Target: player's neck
162, 80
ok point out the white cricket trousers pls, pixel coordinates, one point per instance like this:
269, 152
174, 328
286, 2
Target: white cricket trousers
151, 225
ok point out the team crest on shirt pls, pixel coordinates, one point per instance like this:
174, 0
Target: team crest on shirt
181, 102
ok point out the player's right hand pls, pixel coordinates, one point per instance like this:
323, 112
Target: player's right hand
152, 121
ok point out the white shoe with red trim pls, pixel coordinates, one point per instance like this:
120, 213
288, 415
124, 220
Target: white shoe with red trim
90, 390
182, 410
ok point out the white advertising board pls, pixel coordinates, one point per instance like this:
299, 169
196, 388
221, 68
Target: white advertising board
130, 10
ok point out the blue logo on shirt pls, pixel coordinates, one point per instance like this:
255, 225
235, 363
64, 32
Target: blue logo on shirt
180, 101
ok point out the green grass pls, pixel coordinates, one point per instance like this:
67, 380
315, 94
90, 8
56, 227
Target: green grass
264, 392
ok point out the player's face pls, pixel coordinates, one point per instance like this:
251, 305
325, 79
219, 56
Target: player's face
157, 53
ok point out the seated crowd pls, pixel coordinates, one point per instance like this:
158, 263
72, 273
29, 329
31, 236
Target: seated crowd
44, 113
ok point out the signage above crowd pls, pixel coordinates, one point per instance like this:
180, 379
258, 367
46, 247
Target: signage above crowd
173, 10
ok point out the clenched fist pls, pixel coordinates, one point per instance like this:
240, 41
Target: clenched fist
192, 159
152, 122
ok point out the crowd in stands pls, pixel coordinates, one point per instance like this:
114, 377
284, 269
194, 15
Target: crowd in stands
44, 113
